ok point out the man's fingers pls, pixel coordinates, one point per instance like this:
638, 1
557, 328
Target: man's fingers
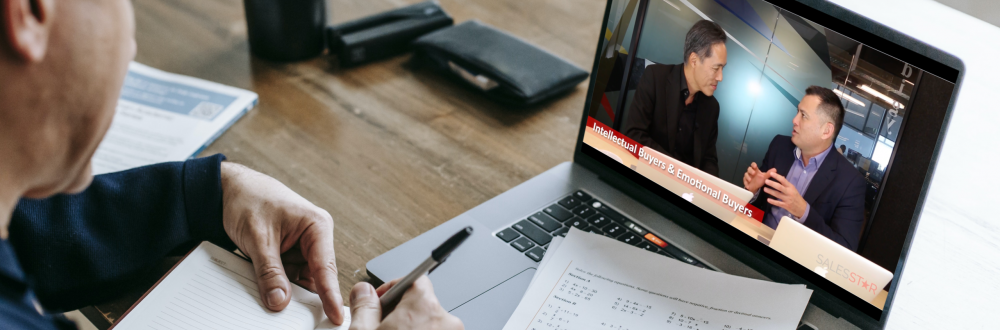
271, 279
753, 165
293, 256
317, 248
777, 203
366, 312
780, 178
775, 186
382, 289
420, 297
774, 193
306, 283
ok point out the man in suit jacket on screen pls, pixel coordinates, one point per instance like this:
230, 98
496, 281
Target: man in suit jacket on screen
674, 111
804, 179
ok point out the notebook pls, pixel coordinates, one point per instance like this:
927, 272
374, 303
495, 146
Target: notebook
212, 288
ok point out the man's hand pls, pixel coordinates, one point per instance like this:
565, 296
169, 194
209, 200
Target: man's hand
787, 196
417, 309
754, 178
285, 236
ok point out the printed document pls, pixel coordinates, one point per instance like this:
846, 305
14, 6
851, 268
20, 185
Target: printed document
589, 281
214, 289
164, 117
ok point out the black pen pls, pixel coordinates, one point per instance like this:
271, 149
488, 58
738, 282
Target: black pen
437, 257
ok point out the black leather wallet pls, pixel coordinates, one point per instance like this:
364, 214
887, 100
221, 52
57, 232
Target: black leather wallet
505, 67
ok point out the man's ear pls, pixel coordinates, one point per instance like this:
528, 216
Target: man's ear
26, 26
828, 129
693, 58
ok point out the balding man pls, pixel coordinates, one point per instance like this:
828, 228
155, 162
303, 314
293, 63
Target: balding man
69, 239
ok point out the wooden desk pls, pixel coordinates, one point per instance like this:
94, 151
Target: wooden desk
390, 151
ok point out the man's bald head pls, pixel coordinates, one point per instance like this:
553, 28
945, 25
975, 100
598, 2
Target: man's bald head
63, 64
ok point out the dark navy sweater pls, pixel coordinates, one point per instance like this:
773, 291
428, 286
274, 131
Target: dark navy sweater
71, 251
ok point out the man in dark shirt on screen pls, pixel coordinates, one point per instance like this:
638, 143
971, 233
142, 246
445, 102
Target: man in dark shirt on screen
674, 110
69, 239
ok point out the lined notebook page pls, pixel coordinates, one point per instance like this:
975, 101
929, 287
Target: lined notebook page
214, 289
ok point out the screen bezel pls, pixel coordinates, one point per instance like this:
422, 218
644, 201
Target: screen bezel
827, 295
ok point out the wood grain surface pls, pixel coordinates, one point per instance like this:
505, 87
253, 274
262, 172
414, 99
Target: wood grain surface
391, 150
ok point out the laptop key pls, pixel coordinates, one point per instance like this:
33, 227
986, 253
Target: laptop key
584, 211
599, 220
544, 221
614, 215
522, 244
630, 238
508, 235
578, 223
680, 255
595, 230
634, 227
534, 233
613, 229
666, 254
535, 254
648, 246
582, 196
558, 212
561, 232
569, 202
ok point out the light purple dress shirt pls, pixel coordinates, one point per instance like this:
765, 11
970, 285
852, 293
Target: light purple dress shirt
800, 176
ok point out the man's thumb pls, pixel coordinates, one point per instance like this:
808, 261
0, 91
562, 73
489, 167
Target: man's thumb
271, 280
366, 310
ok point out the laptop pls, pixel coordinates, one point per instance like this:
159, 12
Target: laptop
617, 187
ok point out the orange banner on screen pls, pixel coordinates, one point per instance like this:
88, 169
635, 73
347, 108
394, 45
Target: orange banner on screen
730, 196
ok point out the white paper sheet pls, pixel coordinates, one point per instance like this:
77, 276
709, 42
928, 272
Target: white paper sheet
593, 282
214, 289
164, 117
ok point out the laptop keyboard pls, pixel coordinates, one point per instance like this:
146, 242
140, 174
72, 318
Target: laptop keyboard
532, 235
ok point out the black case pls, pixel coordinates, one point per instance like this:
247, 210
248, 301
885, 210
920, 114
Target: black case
506, 68
383, 35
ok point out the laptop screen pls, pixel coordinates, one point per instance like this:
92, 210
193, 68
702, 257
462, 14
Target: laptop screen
756, 113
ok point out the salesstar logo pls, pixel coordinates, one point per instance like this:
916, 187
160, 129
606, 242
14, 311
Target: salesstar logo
826, 264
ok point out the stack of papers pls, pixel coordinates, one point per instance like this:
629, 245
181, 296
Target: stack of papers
163, 117
588, 281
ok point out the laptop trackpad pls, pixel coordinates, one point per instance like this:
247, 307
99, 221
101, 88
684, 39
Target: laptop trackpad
491, 309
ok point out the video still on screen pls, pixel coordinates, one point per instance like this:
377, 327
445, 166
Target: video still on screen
760, 117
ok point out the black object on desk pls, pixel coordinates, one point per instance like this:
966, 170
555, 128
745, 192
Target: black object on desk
384, 35
505, 67
286, 30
